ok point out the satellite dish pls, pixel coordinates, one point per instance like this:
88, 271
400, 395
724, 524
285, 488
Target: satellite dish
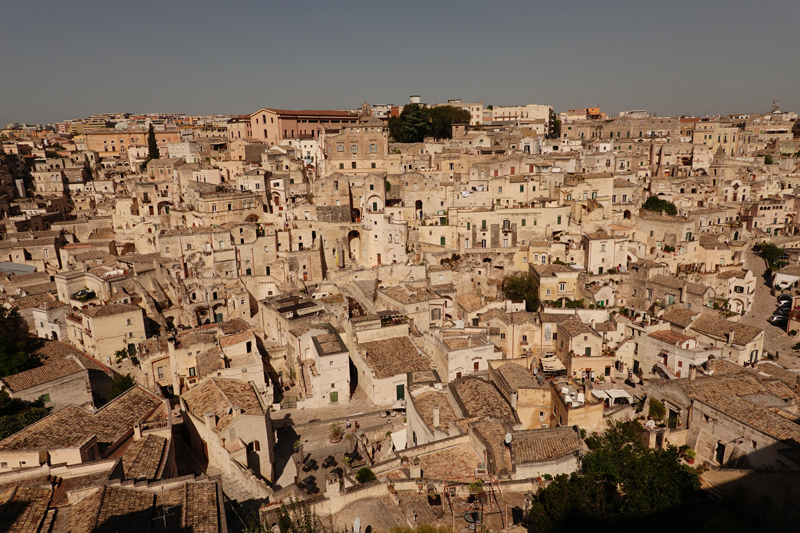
357, 525
473, 517
508, 439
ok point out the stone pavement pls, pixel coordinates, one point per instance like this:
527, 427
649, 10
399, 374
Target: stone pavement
776, 340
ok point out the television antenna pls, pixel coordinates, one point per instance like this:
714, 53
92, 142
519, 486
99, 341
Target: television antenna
776, 106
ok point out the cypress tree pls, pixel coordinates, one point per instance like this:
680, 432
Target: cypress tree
152, 145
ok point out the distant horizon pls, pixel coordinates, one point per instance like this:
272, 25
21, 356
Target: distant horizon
355, 108
73, 60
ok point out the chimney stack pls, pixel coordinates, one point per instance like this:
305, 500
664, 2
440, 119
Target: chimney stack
730, 338
211, 420
692, 372
436, 416
236, 410
711, 364
137, 431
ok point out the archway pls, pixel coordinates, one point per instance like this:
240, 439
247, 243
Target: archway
355, 215
164, 207
354, 245
735, 235
251, 218
418, 207
627, 214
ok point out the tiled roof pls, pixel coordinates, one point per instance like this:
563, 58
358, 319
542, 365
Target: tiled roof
209, 361
480, 398
669, 336
426, 401
111, 309
73, 425
112, 509
721, 328
575, 327
493, 431
517, 377
391, 357
236, 338
470, 302
22, 509
54, 351
142, 458
680, 316
217, 395
543, 444
42, 374
552, 270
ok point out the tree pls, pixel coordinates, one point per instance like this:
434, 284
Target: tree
554, 129
657, 410
622, 484
16, 345
768, 159
152, 144
417, 122
365, 475
772, 254
120, 384
298, 518
654, 203
519, 287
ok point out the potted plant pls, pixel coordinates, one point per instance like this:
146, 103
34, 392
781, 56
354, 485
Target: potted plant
476, 486
391, 488
296, 446
336, 433
688, 454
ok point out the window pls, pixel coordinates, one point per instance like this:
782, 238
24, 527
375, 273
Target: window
436, 314
523, 222
160, 371
373, 149
371, 187
353, 148
587, 351
502, 335
192, 371
476, 366
547, 292
524, 338
562, 287
129, 322
558, 222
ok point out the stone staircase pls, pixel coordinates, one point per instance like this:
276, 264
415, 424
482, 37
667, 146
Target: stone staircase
233, 487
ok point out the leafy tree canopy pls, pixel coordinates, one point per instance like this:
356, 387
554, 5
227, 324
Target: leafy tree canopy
120, 384
654, 203
772, 254
152, 144
417, 122
16, 344
623, 483
520, 287
365, 475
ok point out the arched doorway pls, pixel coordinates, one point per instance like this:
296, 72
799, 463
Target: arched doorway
418, 207
354, 245
735, 235
627, 214
355, 215
251, 218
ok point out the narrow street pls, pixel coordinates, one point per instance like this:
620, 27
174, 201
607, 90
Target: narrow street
776, 340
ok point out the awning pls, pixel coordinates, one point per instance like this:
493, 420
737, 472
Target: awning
552, 364
400, 439
619, 393
600, 394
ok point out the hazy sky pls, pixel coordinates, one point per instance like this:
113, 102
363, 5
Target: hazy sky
63, 60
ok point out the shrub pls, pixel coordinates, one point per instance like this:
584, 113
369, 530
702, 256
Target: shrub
657, 409
336, 430
365, 475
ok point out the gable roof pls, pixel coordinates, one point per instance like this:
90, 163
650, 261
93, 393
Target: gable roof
218, 396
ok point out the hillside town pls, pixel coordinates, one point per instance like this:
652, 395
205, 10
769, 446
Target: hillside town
405, 314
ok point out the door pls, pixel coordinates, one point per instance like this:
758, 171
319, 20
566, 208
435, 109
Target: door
305, 276
720, 455
379, 259
334, 397
401, 392
218, 317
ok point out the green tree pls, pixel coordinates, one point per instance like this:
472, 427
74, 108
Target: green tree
365, 475
16, 414
772, 254
152, 144
519, 287
654, 203
622, 484
120, 384
417, 122
554, 130
16, 345
657, 410
768, 159
298, 518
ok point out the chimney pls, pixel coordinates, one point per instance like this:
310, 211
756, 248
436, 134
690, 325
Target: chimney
711, 364
692, 372
137, 431
514, 401
436, 416
683, 294
211, 420
236, 410
730, 338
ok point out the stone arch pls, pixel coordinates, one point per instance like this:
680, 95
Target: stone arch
354, 245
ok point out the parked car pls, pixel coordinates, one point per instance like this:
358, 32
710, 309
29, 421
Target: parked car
785, 297
778, 320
